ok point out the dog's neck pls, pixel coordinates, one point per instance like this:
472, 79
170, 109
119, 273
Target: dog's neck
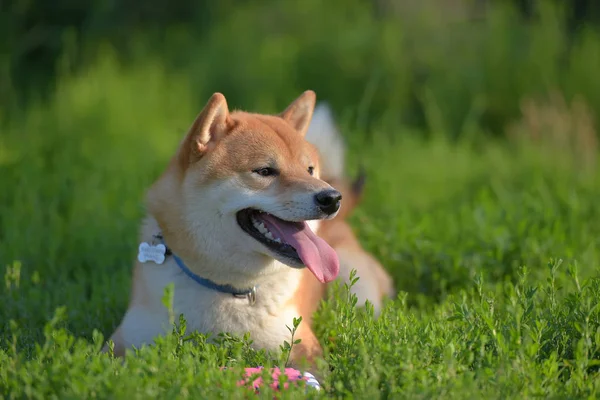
273, 273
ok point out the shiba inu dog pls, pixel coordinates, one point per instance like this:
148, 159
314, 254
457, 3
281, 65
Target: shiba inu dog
232, 223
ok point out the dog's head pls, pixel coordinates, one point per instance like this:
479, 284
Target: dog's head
241, 189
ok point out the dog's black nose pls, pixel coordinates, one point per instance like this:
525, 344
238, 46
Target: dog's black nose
329, 201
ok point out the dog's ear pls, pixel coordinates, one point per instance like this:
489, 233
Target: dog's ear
299, 113
210, 125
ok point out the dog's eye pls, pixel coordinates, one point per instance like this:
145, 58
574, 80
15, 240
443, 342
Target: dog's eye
266, 171
311, 170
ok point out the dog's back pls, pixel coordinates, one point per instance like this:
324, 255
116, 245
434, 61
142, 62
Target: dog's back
374, 283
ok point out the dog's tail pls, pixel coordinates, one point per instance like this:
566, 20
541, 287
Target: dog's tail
324, 133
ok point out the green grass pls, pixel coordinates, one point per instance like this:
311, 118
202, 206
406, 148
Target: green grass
493, 248
422, 65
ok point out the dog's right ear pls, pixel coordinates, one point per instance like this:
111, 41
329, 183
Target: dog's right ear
209, 126
299, 113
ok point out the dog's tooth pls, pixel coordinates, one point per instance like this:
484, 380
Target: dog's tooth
258, 225
277, 240
269, 235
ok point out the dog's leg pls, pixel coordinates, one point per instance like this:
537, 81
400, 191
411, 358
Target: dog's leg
373, 284
117, 339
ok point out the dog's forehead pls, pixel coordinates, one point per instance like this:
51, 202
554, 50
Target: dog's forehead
256, 141
270, 134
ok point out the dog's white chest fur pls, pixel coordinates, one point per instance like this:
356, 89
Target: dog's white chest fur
207, 310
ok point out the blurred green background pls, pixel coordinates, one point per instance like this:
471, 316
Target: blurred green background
437, 65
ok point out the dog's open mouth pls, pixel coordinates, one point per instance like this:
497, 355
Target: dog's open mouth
293, 242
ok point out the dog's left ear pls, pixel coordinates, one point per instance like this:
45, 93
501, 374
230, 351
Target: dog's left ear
299, 113
210, 125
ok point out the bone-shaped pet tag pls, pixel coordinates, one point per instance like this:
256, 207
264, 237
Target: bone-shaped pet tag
156, 253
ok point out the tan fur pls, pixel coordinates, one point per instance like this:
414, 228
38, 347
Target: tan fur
193, 204
339, 234
306, 300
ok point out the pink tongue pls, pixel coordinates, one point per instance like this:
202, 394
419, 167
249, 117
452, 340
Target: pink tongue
314, 252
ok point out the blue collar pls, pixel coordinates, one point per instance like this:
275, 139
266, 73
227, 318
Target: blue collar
250, 293
207, 283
